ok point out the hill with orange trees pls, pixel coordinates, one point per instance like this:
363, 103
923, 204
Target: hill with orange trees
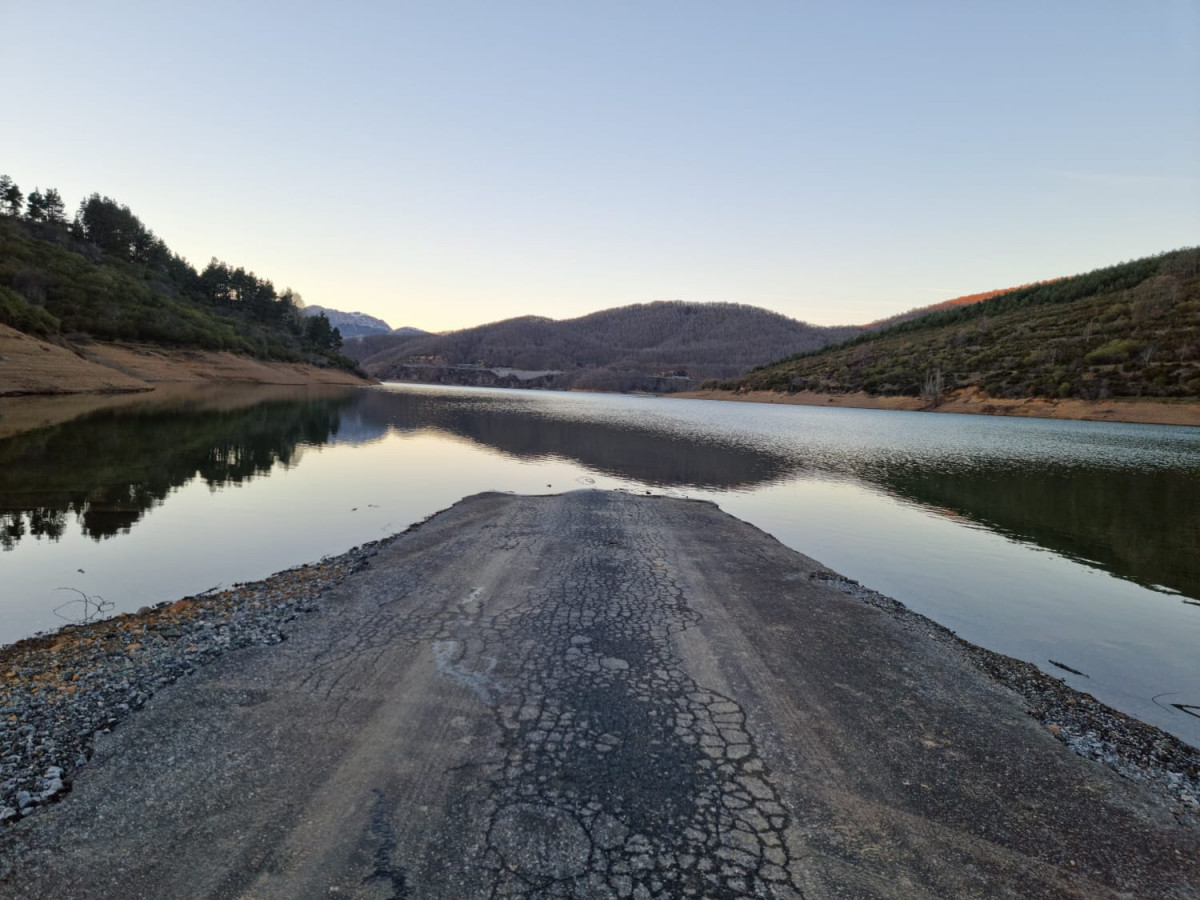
965, 300
1126, 331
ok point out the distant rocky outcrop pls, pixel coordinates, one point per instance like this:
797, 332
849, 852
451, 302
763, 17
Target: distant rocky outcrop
351, 324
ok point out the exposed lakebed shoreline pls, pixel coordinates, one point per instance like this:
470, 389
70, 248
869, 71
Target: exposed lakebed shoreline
1134, 411
30, 365
58, 691
35, 368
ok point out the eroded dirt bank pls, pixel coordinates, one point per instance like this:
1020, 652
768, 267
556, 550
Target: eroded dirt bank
591, 694
30, 365
1147, 412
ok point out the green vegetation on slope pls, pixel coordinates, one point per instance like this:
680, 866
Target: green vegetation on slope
105, 276
1130, 330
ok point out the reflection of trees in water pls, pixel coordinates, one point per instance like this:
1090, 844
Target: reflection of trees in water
520, 428
15, 524
1143, 525
108, 469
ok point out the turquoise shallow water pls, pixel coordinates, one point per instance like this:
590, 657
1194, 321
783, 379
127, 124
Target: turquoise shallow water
1068, 541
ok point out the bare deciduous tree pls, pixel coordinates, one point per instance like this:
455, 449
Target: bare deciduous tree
931, 390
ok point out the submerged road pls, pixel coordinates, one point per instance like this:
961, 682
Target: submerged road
595, 695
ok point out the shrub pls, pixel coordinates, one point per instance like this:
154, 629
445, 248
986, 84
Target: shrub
1113, 352
19, 313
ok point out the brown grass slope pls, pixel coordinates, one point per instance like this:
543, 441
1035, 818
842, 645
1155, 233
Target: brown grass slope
1127, 331
35, 365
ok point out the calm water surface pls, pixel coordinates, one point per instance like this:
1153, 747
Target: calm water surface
1069, 541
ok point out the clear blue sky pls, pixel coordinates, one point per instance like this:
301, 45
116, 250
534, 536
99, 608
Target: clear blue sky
443, 164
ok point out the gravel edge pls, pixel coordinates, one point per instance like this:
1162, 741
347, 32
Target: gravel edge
1164, 764
59, 690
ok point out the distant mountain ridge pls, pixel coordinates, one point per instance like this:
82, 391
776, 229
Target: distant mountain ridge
660, 346
357, 324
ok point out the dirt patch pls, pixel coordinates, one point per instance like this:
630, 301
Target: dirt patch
1147, 412
31, 365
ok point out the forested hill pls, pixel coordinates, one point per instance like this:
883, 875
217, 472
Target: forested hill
1129, 330
106, 276
966, 300
661, 346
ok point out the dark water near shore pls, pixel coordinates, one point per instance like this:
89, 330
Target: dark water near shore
1069, 541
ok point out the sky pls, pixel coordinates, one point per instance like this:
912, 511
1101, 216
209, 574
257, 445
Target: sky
444, 164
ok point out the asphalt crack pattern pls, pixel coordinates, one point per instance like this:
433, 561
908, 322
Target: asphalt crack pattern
620, 775
617, 774
383, 836
409, 614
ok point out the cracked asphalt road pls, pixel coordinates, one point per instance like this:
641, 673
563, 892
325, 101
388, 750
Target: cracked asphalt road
595, 695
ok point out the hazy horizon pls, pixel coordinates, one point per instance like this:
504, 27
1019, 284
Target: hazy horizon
452, 164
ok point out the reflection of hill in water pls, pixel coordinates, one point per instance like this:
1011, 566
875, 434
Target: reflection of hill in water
1141, 525
107, 469
621, 449
353, 427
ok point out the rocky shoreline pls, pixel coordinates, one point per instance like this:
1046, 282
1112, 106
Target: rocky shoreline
58, 691
1140, 752
975, 402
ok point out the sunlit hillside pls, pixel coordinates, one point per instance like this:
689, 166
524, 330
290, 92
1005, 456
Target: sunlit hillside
966, 300
1130, 330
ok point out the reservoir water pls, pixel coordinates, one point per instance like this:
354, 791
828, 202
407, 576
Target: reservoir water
1068, 544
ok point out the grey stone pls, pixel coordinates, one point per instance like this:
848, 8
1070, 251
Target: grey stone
541, 841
